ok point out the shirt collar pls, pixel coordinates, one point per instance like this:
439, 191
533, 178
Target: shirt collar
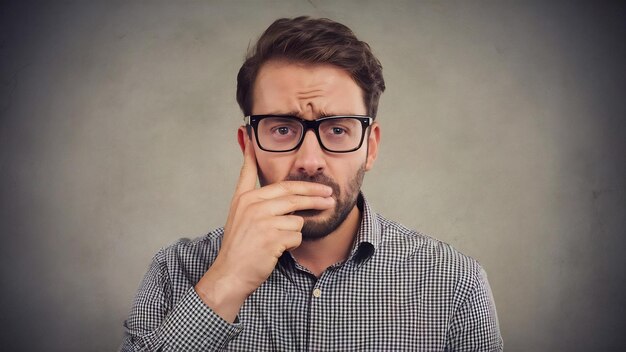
369, 236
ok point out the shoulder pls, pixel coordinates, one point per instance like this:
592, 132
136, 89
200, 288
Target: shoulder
417, 251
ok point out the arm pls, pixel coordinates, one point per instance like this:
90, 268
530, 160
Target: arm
158, 324
258, 230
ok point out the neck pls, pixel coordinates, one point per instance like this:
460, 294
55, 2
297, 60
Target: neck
318, 255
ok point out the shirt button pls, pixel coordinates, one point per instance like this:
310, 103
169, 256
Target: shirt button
317, 293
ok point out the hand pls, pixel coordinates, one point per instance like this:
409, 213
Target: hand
257, 232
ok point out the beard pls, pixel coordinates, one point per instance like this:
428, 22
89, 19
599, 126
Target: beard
344, 203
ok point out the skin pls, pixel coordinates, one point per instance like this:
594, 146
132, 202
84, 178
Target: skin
264, 222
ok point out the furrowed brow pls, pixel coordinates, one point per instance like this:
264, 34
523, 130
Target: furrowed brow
299, 115
280, 113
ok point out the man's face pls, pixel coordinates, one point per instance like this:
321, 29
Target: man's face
310, 92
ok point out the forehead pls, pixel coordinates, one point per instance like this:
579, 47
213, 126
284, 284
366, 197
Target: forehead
289, 85
301, 73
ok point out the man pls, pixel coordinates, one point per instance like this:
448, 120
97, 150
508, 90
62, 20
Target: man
303, 263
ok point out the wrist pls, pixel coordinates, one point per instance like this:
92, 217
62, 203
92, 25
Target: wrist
221, 294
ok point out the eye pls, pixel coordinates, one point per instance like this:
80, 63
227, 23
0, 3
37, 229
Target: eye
282, 130
338, 130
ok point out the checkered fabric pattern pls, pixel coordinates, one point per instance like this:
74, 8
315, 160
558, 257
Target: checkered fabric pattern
399, 290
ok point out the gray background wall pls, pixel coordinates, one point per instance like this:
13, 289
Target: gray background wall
503, 134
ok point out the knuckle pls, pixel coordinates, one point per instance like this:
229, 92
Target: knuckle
254, 210
272, 238
245, 198
284, 186
293, 201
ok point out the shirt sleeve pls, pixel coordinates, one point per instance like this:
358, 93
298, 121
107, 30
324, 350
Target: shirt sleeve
475, 326
156, 323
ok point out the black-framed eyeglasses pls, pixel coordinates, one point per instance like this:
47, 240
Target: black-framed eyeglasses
282, 133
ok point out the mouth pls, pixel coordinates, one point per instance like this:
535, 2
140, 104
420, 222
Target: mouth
308, 213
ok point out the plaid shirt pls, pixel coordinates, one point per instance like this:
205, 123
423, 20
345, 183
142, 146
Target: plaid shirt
399, 290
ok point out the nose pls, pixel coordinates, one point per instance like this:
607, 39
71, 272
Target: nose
310, 156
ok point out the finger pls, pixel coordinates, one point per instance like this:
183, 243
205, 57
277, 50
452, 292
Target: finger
289, 204
287, 223
248, 174
291, 239
285, 188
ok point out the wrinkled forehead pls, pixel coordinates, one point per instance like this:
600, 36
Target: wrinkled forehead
285, 87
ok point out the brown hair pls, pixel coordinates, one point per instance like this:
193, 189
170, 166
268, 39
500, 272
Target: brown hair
308, 40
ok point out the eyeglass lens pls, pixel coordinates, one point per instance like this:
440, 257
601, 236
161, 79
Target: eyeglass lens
337, 134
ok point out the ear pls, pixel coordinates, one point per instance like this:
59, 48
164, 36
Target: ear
242, 138
372, 146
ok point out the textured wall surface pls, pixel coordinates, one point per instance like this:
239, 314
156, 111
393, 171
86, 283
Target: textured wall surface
503, 132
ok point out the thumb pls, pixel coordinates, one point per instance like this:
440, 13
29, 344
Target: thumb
248, 173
